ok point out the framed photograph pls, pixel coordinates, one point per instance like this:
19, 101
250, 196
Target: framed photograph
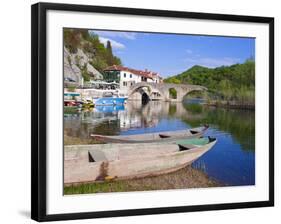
139, 111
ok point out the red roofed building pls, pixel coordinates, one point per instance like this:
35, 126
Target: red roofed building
127, 77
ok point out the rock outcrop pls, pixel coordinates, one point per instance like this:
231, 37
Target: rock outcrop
75, 62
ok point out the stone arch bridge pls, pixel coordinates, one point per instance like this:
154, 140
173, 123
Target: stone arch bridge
161, 91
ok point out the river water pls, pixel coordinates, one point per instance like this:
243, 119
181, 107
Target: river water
231, 161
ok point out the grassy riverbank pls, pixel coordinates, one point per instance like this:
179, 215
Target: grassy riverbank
234, 84
187, 177
231, 104
68, 140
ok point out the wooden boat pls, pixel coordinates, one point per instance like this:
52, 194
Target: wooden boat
93, 163
70, 103
152, 137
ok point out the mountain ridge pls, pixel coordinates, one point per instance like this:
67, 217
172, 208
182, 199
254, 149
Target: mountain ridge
234, 82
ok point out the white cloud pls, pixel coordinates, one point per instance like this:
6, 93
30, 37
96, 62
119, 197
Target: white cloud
119, 52
212, 62
125, 35
114, 44
189, 51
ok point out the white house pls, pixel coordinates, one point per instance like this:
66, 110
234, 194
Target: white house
128, 77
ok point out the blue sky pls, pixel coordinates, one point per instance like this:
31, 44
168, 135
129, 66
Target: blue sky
171, 54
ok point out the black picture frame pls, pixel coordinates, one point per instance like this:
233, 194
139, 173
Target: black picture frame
39, 114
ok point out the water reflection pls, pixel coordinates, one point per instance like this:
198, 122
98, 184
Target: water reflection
231, 161
240, 124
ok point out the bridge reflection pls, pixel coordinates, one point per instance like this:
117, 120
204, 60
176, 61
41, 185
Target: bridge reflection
113, 120
160, 116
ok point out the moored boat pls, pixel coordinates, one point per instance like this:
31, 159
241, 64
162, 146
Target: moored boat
87, 103
109, 98
70, 103
71, 94
70, 99
165, 136
92, 163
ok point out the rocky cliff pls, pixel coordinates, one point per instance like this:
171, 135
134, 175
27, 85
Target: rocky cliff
85, 56
77, 64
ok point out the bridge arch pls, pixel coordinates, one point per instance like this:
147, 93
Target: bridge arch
173, 93
163, 89
144, 94
150, 89
194, 91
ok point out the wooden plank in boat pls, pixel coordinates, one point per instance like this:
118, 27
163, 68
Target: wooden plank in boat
96, 156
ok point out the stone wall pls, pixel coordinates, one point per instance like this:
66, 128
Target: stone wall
163, 90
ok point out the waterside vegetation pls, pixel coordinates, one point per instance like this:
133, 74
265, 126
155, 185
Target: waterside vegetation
70, 140
227, 85
101, 55
242, 128
187, 177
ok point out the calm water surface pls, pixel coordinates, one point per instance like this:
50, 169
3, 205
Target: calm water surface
231, 161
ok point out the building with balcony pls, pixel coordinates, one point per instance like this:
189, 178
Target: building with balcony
127, 77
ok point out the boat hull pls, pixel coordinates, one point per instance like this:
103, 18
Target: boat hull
167, 136
134, 161
109, 101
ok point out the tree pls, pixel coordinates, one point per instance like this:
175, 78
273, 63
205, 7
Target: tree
235, 82
72, 39
100, 56
110, 58
108, 47
172, 80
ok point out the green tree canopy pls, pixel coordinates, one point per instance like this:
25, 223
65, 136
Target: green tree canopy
101, 56
235, 82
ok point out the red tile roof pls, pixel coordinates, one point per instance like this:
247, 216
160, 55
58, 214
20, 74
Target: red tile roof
146, 74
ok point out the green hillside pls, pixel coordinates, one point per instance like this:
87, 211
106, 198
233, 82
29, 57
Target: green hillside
101, 56
230, 83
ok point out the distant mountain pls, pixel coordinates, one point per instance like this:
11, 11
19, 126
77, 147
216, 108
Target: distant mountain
228, 82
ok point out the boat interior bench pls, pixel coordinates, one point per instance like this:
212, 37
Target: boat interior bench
194, 132
184, 147
96, 156
164, 136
